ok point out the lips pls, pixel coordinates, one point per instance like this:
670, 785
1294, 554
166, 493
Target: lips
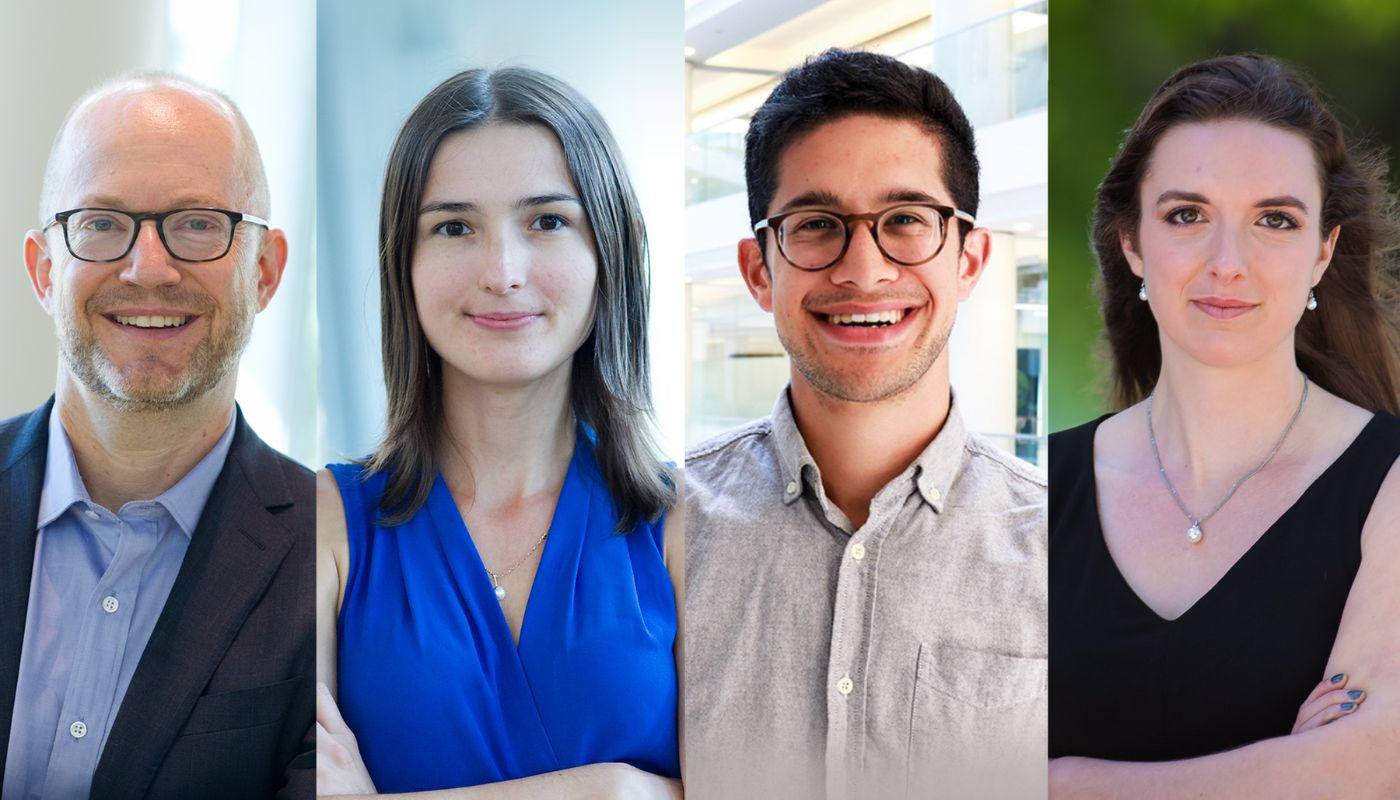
1223, 307
505, 320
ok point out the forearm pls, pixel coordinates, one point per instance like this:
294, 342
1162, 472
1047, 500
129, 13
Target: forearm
1354, 759
588, 781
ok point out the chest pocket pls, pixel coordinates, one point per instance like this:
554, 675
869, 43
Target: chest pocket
977, 727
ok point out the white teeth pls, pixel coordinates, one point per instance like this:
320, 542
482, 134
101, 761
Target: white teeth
145, 321
877, 318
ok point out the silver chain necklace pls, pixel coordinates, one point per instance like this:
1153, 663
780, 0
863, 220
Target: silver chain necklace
496, 577
1194, 532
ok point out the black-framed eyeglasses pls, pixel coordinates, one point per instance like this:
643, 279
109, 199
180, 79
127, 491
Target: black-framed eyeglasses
909, 234
101, 235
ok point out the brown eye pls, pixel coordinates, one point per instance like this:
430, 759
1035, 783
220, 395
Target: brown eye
451, 229
550, 222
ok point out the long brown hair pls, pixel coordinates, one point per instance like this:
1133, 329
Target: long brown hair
610, 377
1349, 345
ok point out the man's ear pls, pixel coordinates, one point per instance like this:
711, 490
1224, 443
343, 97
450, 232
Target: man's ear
272, 259
756, 273
976, 250
39, 264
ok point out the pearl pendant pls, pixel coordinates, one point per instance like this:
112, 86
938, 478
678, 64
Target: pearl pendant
501, 594
1194, 534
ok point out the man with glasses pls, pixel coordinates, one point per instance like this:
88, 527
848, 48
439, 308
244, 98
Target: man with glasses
156, 620
865, 588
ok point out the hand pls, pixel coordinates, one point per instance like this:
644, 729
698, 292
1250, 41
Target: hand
1330, 701
339, 768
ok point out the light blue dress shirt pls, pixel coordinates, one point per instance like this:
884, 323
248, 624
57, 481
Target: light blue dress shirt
99, 584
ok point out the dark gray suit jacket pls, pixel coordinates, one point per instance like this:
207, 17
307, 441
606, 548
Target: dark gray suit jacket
223, 699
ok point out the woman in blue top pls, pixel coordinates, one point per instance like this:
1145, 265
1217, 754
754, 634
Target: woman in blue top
498, 595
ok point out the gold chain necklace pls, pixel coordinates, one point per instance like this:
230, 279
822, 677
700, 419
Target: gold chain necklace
496, 576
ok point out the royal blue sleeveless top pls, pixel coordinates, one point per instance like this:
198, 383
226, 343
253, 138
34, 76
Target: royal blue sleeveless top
431, 682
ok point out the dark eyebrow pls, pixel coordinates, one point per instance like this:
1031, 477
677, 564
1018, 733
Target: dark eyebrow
911, 196
1175, 195
546, 199
1286, 200
463, 207
450, 206
819, 198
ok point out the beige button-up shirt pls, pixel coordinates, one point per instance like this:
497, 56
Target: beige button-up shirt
905, 658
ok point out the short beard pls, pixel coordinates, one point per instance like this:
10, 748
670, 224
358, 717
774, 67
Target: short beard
863, 388
213, 359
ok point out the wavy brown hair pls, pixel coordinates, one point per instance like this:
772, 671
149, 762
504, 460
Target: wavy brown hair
610, 377
1349, 345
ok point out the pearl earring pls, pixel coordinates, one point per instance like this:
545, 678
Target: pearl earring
1312, 301
1142, 292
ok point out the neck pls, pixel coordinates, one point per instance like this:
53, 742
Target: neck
126, 455
503, 444
1212, 424
861, 447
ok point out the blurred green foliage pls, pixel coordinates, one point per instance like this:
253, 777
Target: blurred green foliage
1106, 59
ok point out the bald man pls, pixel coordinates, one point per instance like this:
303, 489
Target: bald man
156, 614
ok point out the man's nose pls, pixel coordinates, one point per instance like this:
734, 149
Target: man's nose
149, 263
864, 266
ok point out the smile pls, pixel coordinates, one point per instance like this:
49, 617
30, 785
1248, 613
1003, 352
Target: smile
145, 321
875, 319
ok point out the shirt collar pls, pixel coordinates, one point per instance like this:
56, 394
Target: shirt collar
934, 470
63, 485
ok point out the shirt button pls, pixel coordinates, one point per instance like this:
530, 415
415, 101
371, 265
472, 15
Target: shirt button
857, 551
109, 604
792, 487
845, 685
78, 729
91, 514
933, 494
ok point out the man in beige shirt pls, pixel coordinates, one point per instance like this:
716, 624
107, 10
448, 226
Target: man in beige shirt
865, 612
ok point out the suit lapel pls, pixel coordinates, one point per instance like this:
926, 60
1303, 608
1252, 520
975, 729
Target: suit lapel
22, 457
233, 555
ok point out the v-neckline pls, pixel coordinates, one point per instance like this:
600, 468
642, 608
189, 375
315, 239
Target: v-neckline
1102, 543
479, 578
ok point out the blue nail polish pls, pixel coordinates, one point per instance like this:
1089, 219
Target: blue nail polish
1347, 706
1355, 694
1337, 678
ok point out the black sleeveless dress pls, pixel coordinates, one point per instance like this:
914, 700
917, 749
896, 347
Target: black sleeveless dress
1127, 685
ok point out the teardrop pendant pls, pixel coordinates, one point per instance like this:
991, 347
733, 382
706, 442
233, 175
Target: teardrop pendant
500, 594
1194, 534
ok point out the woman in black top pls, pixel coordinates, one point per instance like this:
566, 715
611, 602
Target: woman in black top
1224, 553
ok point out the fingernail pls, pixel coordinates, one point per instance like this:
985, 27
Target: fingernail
1347, 707
1338, 678
1355, 694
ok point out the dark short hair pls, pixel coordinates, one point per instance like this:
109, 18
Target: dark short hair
839, 83
610, 376
1347, 346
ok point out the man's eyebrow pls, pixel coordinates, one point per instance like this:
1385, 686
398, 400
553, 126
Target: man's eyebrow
819, 197
185, 201
911, 196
